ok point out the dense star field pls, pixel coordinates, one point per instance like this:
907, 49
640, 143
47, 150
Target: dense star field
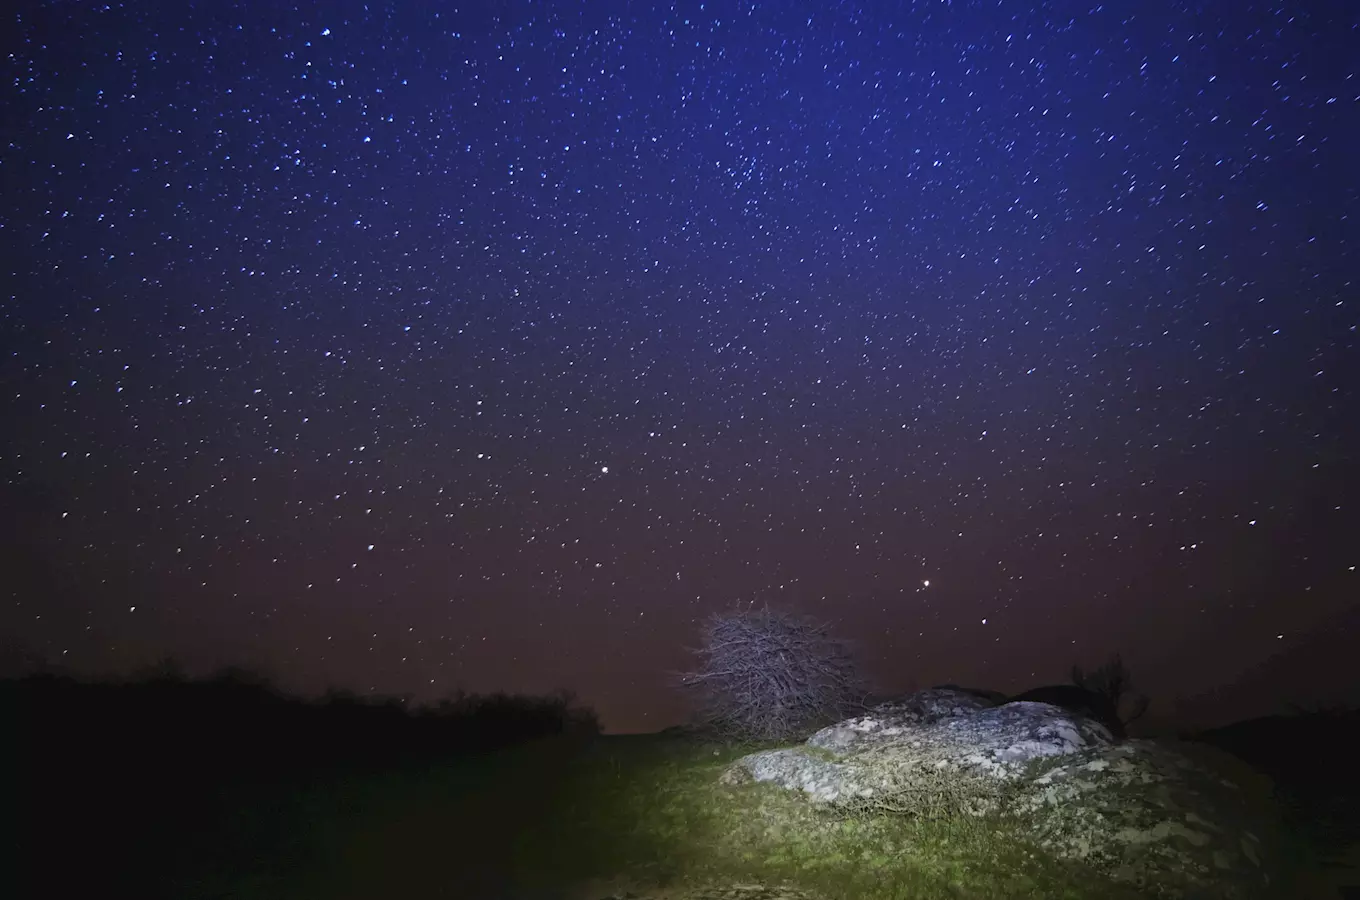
409, 347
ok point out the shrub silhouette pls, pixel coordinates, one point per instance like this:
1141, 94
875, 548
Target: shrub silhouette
1113, 682
769, 676
235, 724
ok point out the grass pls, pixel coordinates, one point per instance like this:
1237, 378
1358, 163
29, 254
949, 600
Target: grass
548, 819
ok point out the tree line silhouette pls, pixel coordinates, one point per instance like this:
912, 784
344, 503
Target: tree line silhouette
237, 721
145, 778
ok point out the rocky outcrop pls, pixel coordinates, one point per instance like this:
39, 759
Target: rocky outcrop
888, 719
1162, 817
1173, 819
1076, 699
958, 725
947, 750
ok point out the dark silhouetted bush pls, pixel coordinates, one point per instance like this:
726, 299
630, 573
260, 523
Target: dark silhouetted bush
1113, 682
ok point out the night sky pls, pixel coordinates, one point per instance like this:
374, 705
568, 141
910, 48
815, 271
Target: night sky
416, 346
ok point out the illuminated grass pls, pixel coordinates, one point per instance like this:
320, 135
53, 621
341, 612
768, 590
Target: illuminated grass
657, 811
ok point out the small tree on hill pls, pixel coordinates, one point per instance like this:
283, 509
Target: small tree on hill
1113, 682
767, 675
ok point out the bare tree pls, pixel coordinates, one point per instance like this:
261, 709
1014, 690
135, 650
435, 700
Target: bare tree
768, 675
1113, 682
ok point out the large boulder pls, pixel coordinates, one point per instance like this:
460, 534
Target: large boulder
1074, 698
889, 719
1156, 816
944, 745
1179, 820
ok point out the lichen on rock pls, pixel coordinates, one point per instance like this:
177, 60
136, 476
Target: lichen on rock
1174, 820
